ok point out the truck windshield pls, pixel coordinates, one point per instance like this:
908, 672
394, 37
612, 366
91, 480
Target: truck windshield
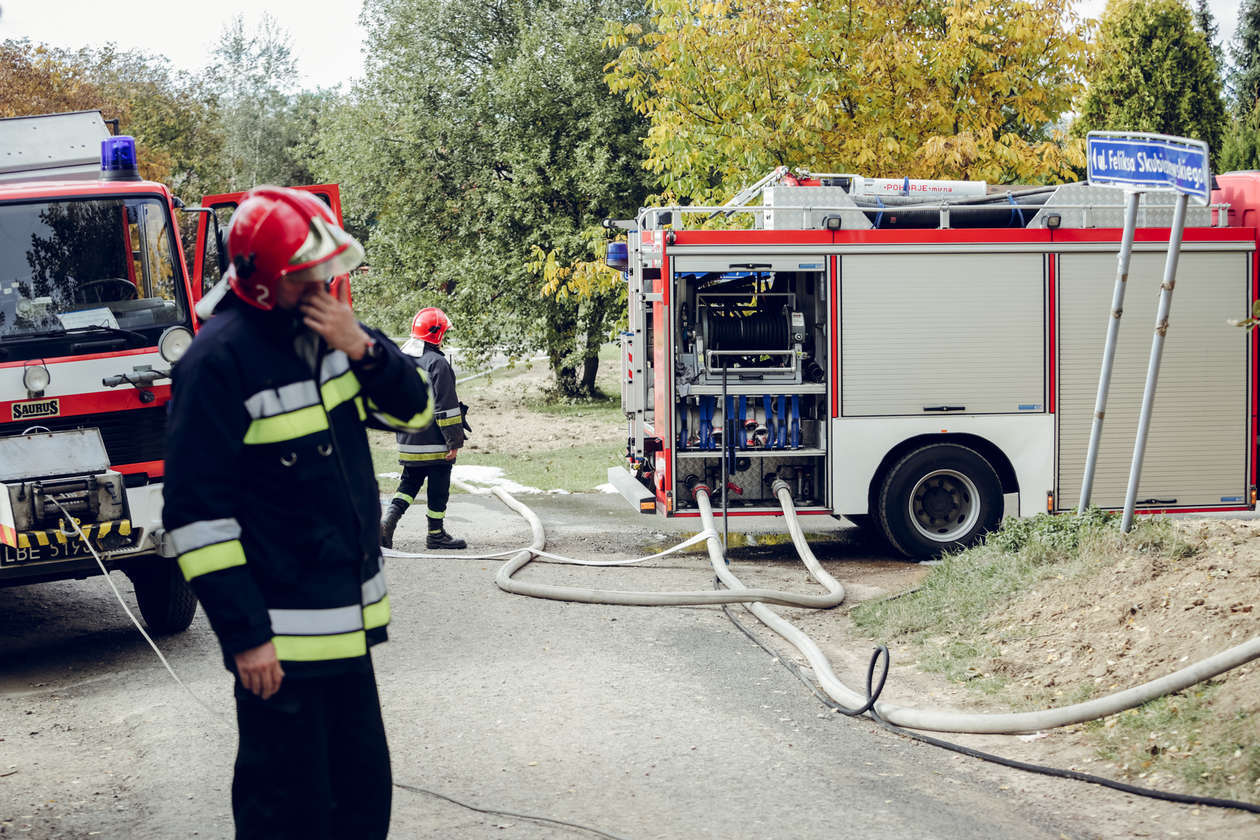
74, 263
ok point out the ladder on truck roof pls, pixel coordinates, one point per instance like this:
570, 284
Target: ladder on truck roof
52, 147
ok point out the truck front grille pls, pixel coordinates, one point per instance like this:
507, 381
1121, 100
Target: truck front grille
131, 437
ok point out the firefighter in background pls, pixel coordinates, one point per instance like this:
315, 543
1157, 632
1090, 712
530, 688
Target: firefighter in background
271, 502
429, 455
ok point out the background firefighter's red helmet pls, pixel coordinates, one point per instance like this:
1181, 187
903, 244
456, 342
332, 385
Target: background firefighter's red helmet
277, 231
430, 324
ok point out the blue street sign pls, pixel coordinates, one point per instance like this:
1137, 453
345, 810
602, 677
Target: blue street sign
1150, 162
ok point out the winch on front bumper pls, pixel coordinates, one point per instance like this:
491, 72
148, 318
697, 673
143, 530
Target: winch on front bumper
44, 480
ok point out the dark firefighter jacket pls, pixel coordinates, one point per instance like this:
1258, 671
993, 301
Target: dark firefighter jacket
270, 498
447, 432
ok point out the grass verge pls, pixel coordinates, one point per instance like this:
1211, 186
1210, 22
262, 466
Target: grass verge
973, 619
577, 469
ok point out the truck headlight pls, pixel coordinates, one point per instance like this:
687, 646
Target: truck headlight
36, 378
174, 342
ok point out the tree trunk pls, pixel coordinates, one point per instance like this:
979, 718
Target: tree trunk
590, 367
561, 325
594, 332
566, 381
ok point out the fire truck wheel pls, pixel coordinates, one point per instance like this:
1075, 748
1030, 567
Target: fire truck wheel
166, 601
939, 498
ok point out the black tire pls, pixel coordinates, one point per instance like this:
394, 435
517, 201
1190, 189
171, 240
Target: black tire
939, 498
166, 601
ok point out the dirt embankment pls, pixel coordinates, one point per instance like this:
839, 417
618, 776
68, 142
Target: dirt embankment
1142, 614
1147, 616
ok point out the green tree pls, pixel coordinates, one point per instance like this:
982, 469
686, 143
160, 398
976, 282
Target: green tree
1153, 71
269, 125
1241, 147
479, 156
1206, 21
172, 115
1244, 78
880, 87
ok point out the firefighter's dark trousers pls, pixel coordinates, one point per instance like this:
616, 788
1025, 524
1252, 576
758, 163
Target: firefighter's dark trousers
438, 474
312, 761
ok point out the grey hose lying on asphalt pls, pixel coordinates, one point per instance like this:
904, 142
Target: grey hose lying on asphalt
948, 721
738, 594
910, 718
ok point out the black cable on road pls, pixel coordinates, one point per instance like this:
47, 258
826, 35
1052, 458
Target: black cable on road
873, 695
547, 820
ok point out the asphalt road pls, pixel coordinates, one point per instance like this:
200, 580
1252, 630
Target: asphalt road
634, 722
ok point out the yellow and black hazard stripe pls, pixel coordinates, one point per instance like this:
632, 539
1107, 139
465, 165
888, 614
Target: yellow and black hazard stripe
94, 531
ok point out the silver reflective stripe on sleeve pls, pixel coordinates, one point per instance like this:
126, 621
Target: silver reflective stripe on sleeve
282, 400
197, 535
325, 622
374, 589
334, 364
424, 447
450, 412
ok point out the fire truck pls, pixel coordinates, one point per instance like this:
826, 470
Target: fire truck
96, 305
924, 356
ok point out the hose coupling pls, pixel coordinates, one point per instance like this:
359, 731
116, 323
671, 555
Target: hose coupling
780, 484
695, 485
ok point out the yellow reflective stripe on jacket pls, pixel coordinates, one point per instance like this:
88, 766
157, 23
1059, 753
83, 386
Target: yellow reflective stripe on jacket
376, 615
212, 558
358, 403
416, 423
336, 391
421, 456
315, 648
295, 424
449, 421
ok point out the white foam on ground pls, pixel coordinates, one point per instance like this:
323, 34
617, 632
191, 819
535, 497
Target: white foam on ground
484, 476
606, 488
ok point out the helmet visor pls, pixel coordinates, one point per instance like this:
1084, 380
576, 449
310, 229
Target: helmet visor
329, 247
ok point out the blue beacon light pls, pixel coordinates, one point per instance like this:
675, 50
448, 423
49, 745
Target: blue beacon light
618, 256
118, 159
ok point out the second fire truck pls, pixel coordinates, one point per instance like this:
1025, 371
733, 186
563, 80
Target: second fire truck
923, 356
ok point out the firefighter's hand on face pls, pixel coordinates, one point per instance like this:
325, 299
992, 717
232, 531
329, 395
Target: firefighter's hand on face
451, 453
330, 317
259, 670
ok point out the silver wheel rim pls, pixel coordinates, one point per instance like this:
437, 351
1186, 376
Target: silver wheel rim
944, 506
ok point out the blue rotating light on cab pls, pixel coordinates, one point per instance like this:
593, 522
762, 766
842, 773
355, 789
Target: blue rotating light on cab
118, 159
618, 256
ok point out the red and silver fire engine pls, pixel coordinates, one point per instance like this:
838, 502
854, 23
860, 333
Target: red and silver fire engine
96, 304
924, 356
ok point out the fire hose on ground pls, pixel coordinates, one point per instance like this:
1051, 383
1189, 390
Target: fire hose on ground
757, 600
841, 696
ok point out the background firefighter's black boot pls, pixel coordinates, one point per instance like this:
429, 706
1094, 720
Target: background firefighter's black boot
438, 538
392, 514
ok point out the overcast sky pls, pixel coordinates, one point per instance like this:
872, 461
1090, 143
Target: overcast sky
326, 33
327, 38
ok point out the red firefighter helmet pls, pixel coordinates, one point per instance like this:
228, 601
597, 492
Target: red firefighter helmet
430, 324
277, 231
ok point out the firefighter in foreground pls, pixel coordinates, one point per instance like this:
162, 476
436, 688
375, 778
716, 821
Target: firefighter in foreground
272, 504
430, 454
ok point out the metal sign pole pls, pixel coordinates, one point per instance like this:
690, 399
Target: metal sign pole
1157, 349
1142, 161
1109, 349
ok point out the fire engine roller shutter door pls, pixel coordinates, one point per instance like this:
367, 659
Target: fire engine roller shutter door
942, 330
1196, 450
